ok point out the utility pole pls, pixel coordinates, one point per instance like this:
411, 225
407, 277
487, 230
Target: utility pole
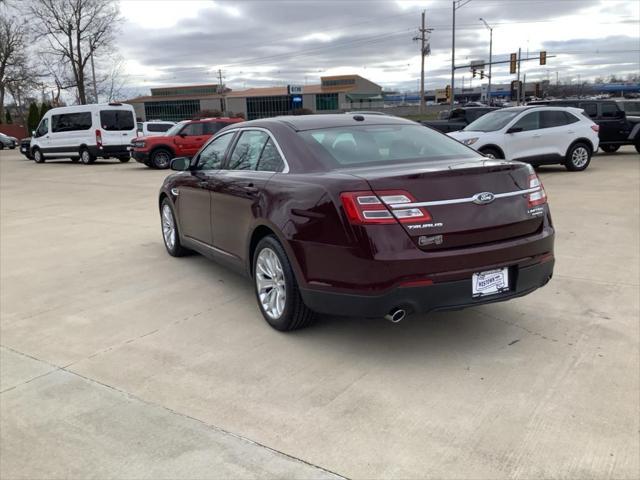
490, 56
424, 51
518, 81
93, 74
456, 4
223, 105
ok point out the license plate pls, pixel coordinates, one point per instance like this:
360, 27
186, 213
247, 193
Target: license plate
490, 282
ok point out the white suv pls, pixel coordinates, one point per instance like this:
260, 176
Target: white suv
536, 135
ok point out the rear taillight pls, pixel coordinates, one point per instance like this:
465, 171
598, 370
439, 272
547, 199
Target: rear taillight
368, 208
595, 128
539, 196
98, 138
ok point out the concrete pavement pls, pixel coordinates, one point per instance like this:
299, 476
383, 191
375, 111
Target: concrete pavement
121, 361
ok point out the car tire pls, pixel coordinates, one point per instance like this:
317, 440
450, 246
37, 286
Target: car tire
38, 157
161, 158
85, 157
610, 148
578, 157
272, 274
490, 152
170, 233
13, 148
1, 146
124, 159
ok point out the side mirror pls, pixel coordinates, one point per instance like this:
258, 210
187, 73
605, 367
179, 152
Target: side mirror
180, 164
514, 130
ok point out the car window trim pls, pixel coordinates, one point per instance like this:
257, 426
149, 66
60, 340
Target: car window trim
239, 130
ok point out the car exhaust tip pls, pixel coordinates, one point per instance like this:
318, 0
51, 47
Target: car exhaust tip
396, 315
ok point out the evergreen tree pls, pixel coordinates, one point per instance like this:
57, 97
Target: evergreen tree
7, 117
44, 108
34, 117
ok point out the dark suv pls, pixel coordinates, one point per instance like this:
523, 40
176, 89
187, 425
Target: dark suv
457, 119
616, 128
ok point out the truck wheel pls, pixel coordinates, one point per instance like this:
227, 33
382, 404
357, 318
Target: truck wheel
86, 157
610, 148
37, 156
124, 159
578, 157
161, 158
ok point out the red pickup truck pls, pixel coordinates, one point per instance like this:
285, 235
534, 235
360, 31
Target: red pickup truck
182, 140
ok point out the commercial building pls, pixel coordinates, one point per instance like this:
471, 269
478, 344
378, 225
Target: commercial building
333, 94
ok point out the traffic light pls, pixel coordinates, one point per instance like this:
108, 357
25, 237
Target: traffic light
447, 92
543, 57
474, 72
481, 73
512, 63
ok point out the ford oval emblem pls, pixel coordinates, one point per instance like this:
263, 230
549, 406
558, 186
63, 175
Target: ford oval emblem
483, 198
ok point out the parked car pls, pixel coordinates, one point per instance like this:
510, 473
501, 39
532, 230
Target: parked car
184, 139
25, 147
7, 142
458, 118
536, 135
84, 132
616, 128
153, 127
359, 215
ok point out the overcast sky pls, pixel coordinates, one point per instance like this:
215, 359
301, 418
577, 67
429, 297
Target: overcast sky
264, 43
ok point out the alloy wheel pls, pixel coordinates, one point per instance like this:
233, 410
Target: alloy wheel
161, 159
579, 157
85, 157
168, 227
270, 283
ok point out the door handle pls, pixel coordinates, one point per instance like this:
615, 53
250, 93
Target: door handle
251, 189
571, 131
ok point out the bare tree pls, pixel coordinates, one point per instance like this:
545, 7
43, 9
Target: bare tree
74, 31
12, 53
112, 82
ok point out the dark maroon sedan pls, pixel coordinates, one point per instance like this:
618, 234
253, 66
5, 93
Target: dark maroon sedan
363, 215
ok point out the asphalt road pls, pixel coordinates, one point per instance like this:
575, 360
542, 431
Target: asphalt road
120, 361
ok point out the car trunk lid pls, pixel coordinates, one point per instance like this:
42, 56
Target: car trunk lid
469, 203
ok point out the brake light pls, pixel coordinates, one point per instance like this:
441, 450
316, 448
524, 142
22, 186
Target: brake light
98, 138
539, 197
367, 207
595, 128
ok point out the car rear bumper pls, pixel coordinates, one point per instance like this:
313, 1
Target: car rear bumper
452, 295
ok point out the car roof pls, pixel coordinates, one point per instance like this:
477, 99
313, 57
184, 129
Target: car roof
313, 122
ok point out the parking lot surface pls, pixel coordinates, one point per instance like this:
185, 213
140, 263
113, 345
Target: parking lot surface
121, 361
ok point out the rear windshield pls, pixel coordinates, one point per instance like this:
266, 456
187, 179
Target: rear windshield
158, 127
492, 121
377, 144
117, 120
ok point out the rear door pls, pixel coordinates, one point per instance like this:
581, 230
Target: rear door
194, 194
117, 126
255, 158
557, 133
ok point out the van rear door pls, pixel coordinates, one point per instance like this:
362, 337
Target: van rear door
117, 125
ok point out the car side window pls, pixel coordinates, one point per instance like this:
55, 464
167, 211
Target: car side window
552, 118
591, 109
270, 160
43, 128
531, 121
192, 129
570, 118
212, 155
609, 110
248, 149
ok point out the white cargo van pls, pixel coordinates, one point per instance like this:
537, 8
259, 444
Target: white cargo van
85, 132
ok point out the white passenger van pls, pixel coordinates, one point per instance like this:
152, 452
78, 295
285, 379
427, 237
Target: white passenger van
85, 132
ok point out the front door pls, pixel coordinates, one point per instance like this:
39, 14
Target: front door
237, 200
194, 193
613, 124
527, 142
190, 139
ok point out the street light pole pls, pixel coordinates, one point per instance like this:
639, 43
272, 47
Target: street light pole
490, 56
456, 4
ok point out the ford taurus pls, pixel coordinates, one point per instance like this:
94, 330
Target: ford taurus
359, 215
